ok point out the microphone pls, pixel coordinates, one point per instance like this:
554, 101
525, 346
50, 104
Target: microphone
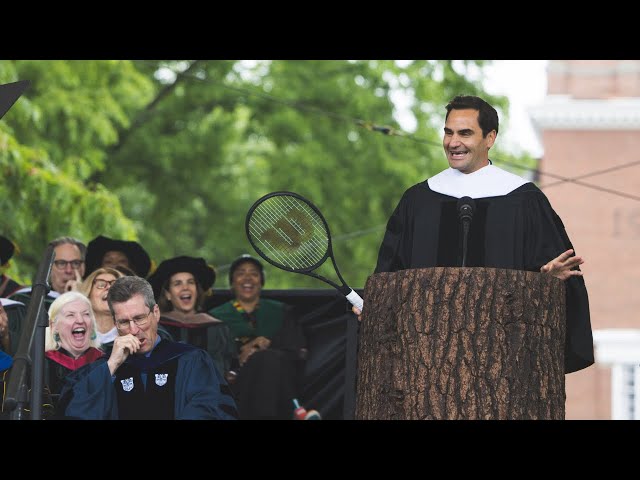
466, 207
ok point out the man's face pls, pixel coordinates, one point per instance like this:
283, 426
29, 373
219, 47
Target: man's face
63, 271
466, 149
114, 258
143, 324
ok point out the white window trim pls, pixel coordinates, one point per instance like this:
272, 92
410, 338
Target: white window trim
619, 348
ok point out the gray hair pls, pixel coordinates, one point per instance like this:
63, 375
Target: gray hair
125, 288
72, 241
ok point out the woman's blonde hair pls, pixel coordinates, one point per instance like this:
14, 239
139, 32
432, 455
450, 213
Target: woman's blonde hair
50, 342
87, 284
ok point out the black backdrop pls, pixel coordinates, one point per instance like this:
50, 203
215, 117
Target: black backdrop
331, 331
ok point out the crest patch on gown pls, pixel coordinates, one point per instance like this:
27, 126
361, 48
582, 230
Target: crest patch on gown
161, 379
127, 384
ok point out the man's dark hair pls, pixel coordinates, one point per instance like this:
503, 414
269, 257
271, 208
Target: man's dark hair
72, 241
124, 288
487, 115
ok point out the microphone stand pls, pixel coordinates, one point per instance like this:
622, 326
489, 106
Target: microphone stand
34, 329
465, 234
466, 206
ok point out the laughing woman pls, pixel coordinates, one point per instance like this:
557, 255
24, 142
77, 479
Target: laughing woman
70, 340
181, 285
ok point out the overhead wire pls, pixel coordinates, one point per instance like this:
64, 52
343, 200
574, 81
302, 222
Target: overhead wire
394, 132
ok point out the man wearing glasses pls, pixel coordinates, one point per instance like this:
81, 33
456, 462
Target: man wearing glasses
68, 265
145, 377
66, 272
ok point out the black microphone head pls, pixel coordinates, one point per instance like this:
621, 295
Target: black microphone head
466, 207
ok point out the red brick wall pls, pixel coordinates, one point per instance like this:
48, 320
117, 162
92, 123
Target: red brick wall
604, 228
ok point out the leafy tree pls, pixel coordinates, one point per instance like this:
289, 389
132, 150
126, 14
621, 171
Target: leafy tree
174, 152
51, 141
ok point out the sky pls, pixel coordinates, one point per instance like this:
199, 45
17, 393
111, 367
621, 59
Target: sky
524, 82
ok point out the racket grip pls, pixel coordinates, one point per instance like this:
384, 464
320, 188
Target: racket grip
355, 299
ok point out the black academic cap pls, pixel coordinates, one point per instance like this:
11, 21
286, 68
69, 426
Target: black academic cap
204, 274
9, 93
139, 259
6, 250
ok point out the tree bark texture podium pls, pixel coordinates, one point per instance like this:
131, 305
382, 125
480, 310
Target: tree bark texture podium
461, 343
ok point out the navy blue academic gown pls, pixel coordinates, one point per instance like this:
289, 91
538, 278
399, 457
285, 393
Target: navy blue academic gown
182, 383
519, 231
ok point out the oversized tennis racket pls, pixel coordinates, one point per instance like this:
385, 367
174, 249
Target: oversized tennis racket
289, 232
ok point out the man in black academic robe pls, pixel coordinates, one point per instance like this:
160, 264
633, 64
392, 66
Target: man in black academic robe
513, 224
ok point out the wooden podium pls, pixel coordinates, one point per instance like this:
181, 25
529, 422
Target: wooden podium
461, 343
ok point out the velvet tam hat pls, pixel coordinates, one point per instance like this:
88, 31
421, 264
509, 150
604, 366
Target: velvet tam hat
139, 260
204, 274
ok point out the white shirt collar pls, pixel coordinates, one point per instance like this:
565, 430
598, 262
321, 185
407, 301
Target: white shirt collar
489, 181
110, 336
7, 302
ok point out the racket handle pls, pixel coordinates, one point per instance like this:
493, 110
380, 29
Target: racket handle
355, 299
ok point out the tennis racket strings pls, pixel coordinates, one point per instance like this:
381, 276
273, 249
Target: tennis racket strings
289, 232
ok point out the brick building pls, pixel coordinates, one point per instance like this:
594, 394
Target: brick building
589, 126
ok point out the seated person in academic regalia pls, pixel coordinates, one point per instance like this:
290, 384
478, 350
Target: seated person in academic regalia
5, 355
96, 287
270, 345
145, 377
66, 273
12, 314
70, 342
7, 284
181, 285
6, 361
16, 313
106, 252
5, 333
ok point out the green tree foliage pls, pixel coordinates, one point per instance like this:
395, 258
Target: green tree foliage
175, 152
51, 141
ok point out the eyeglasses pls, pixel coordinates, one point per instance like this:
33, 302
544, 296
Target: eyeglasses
101, 284
62, 264
139, 320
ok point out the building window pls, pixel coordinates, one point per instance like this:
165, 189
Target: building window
620, 349
625, 392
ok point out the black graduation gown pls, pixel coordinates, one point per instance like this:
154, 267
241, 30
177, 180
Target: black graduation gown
8, 286
519, 231
60, 363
